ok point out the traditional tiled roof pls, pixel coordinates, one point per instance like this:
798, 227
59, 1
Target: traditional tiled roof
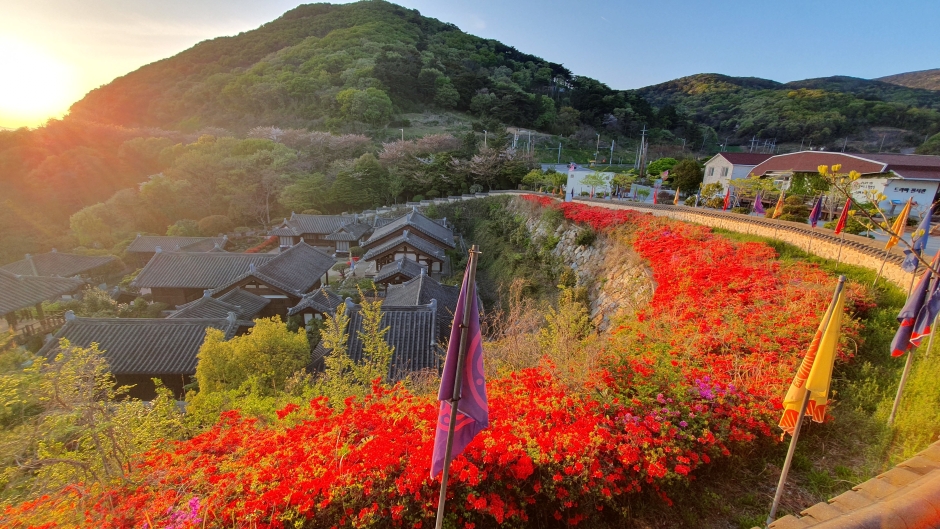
21, 291
420, 291
412, 332
143, 346
349, 232
403, 266
149, 243
244, 304
322, 300
295, 270
197, 270
299, 224
57, 264
410, 239
414, 220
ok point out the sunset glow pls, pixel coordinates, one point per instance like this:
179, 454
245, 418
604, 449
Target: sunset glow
36, 85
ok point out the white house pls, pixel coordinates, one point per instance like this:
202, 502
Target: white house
726, 166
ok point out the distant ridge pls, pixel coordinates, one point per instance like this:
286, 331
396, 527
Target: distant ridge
924, 79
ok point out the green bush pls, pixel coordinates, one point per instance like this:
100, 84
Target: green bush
184, 228
741, 210
852, 225
214, 225
357, 251
585, 237
417, 198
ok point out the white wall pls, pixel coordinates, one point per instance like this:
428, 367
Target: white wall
897, 191
735, 172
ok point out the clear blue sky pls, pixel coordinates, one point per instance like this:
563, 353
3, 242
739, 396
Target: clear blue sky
626, 43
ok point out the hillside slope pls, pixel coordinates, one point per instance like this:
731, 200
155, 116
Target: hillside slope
924, 79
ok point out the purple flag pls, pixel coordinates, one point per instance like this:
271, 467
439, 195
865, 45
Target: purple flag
920, 244
816, 212
908, 316
472, 409
759, 204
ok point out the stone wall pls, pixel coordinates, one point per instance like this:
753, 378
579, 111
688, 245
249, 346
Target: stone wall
618, 280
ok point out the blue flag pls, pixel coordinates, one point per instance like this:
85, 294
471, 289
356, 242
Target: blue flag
816, 212
472, 408
908, 316
920, 243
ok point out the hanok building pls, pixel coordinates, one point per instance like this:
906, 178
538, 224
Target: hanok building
897, 176
422, 290
245, 305
285, 279
58, 264
397, 272
319, 304
412, 236
724, 167
18, 292
138, 350
144, 247
176, 278
333, 233
412, 331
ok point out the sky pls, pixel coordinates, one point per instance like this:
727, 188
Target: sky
52, 52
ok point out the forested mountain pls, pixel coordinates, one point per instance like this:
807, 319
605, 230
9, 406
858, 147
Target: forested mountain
817, 109
925, 79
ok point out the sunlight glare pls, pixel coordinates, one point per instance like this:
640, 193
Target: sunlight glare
35, 85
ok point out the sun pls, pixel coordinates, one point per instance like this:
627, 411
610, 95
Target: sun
35, 85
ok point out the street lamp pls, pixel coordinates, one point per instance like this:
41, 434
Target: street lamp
484, 137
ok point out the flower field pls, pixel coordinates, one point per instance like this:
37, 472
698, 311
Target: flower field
692, 377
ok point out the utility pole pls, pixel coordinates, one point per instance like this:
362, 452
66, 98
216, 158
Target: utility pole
402, 134
611, 159
642, 158
882, 142
801, 143
683, 144
844, 143
597, 148
484, 137
530, 141
559, 154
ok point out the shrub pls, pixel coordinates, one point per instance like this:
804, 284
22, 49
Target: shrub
664, 197
852, 225
215, 224
690, 201
417, 198
357, 251
585, 237
184, 228
741, 210
434, 193
312, 212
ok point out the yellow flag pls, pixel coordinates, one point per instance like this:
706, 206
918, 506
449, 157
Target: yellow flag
815, 373
779, 209
899, 224
675, 201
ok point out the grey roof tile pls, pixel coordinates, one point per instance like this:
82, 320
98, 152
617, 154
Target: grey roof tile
406, 237
149, 243
412, 332
322, 300
299, 224
403, 266
244, 304
20, 291
414, 220
420, 291
143, 346
197, 270
59, 264
300, 267
349, 232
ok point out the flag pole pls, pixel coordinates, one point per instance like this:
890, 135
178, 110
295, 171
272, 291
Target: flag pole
799, 420
788, 461
883, 261
839, 257
461, 357
933, 328
907, 371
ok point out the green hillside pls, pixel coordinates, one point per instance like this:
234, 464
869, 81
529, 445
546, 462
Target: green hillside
818, 109
924, 79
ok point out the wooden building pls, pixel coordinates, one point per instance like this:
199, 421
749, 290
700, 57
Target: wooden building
19, 292
59, 264
316, 230
176, 278
408, 246
397, 272
412, 331
422, 290
319, 304
143, 248
140, 349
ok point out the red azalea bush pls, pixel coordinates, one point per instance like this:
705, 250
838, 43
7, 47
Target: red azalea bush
269, 244
693, 375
